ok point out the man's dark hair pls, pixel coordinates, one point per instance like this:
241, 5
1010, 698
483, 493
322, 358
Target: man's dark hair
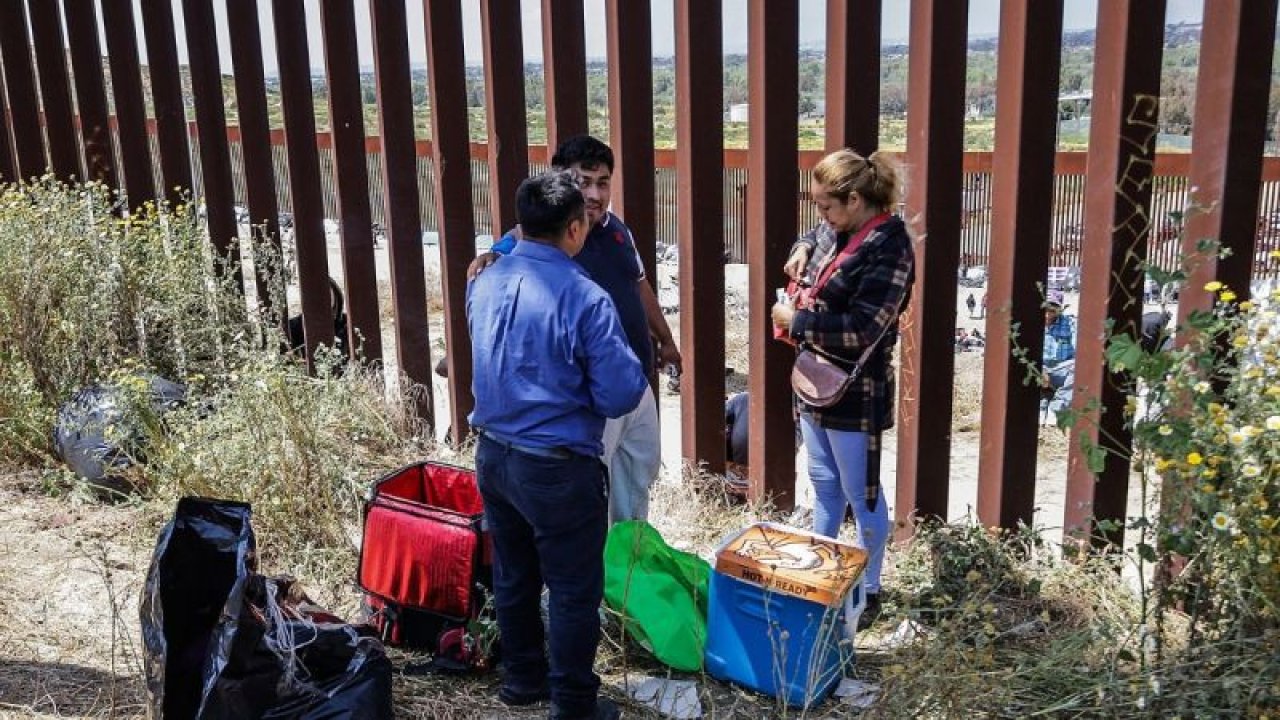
547, 203
584, 151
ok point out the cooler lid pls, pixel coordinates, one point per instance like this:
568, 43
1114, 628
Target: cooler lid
793, 562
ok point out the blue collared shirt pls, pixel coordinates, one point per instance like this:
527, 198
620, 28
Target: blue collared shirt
551, 360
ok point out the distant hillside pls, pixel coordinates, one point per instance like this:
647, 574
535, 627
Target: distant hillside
1181, 57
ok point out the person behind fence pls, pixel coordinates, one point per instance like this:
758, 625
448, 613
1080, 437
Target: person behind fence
858, 266
1058, 357
632, 444
552, 362
1059, 340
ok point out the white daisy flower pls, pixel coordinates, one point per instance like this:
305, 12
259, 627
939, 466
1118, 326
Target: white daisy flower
1221, 521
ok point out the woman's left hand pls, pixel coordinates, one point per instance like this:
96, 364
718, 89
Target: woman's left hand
782, 315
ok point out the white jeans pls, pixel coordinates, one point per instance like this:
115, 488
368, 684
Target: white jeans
633, 454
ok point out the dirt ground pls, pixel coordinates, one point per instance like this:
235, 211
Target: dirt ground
71, 570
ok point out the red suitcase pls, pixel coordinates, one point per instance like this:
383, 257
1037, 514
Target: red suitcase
425, 560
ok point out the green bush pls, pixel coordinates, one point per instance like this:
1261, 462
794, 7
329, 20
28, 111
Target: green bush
83, 289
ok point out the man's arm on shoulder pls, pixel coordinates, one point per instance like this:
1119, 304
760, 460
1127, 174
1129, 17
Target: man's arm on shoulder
615, 379
504, 246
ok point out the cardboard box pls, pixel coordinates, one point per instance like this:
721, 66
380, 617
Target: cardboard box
794, 562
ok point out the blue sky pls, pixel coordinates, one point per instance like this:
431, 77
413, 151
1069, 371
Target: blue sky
983, 21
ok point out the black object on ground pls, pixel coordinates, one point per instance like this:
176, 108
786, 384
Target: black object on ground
222, 641
101, 431
298, 337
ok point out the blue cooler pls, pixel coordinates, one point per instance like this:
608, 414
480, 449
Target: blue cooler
781, 612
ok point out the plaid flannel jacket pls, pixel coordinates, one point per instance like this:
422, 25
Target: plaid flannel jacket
860, 300
863, 297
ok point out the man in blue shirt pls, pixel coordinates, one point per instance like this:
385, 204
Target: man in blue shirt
632, 443
551, 364
1058, 358
1059, 332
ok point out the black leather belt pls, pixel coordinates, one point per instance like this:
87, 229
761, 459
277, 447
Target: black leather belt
555, 453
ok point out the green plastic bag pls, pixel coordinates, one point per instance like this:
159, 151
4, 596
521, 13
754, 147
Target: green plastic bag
660, 592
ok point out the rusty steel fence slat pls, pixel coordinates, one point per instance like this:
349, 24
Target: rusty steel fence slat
1023, 176
1232, 91
934, 211
130, 109
166, 96
20, 82
1118, 192
210, 110
257, 180
564, 64
853, 75
772, 76
629, 39
699, 211
91, 94
400, 197
55, 89
451, 160
348, 183
309, 239
630, 42
508, 156
8, 167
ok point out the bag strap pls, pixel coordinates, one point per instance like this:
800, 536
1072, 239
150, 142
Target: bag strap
866, 354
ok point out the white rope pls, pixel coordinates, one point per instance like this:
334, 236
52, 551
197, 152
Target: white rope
281, 638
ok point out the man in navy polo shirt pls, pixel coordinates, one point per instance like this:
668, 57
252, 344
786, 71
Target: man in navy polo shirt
551, 364
632, 444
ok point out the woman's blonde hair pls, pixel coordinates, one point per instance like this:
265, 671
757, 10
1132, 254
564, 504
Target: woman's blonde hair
874, 178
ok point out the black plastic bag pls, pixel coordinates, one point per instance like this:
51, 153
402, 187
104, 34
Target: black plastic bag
84, 422
222, 641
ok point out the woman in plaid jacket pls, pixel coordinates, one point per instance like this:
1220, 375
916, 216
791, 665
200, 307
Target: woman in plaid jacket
857, 267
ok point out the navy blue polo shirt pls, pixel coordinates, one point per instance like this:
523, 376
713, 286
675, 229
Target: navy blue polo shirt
610, 258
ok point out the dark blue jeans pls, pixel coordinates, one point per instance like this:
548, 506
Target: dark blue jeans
548, 518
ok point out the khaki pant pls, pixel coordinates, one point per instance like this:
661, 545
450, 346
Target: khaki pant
633, 454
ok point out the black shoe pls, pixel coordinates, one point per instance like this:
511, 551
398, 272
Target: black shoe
606, 709
520, 698
871, 612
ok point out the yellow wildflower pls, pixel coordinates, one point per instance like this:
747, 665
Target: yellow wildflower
1165, 430
1213, 286
1221, 521
1194, 458
1226, 296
